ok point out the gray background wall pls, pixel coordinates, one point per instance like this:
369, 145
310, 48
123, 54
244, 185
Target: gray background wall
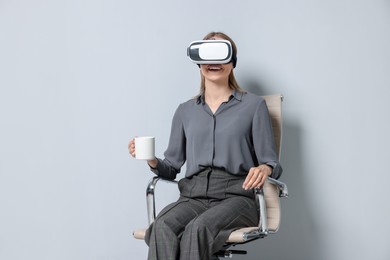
80, 78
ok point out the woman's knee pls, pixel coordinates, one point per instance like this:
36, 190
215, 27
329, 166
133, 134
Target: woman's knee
198, 226
161, 223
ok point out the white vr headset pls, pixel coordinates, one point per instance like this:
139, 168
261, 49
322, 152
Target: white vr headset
211, 52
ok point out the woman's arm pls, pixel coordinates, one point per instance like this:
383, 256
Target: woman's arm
264, 144
175, 153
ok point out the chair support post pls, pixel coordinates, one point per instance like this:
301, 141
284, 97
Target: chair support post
263, 212
150, 197
150, 200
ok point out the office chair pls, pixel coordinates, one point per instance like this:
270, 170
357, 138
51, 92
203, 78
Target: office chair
268, 196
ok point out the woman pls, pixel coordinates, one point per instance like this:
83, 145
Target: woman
225, 137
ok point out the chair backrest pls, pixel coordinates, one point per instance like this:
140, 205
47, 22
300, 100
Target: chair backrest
274, 104
271, 192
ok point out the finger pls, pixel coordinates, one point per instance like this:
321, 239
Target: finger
248, 178
257, 180
263, 179
254, 180
131, 149
132, 152
131, 143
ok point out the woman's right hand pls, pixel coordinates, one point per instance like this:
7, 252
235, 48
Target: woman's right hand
131, 147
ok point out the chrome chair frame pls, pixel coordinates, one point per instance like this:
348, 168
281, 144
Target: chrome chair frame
277, 187
261, 232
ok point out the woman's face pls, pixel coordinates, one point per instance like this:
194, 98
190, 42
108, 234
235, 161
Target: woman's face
216, 73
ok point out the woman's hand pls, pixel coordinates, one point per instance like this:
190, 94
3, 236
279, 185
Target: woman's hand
131, 146
257, 176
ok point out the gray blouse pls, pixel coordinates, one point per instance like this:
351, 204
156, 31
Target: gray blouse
235, 138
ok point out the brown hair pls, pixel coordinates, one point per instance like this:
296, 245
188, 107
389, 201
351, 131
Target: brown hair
232, 80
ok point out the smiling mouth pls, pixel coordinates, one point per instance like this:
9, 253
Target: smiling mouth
214, 68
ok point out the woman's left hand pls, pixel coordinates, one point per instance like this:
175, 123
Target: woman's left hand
257, 176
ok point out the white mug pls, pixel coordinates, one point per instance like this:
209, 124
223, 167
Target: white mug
144, 147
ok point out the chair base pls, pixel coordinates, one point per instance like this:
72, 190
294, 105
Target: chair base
228, 254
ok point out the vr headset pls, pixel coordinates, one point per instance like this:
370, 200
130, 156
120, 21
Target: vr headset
211, 52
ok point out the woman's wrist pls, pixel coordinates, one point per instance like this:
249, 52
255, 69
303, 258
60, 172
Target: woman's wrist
269, 169
153, 163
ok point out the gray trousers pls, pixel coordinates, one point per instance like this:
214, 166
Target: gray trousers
211, 205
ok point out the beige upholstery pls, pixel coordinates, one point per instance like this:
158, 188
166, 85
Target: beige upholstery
271, 190
274, 104
139, 233
271, 194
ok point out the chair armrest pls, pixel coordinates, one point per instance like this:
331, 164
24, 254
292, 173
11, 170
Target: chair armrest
150, 198
283, 191
263, 229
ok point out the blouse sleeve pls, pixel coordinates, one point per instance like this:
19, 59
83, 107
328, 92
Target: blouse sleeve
263, 140
175, 155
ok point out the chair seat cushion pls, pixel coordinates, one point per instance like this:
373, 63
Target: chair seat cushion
139, 233
236, 236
